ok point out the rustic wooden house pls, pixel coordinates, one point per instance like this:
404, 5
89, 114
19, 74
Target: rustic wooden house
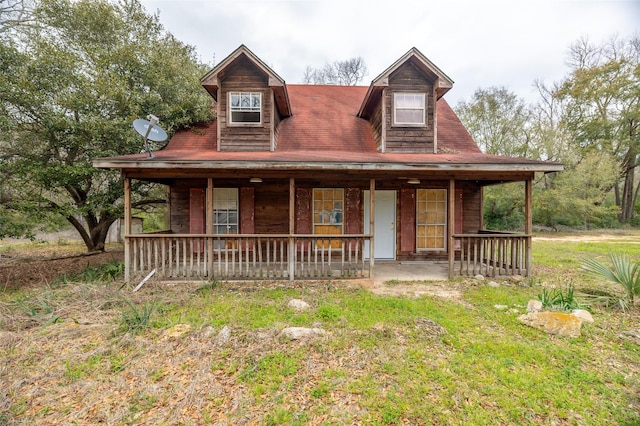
312, 181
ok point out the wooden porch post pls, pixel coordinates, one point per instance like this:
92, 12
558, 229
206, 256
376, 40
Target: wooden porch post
209, 227
127, 228
372, 217
482, 207
528, 221
451, 225
292, 227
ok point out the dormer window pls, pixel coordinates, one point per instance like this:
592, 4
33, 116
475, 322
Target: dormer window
408, 109
245, 107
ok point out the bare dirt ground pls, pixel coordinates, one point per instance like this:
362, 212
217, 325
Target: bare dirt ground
627, 236
36, 264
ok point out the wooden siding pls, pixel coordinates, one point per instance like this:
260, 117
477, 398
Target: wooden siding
245, 77
376, 127
303, 210
272, 208
269, 202
406, 138
471, 207
197, 211
353, 211
247, 210
180, 215
407, 222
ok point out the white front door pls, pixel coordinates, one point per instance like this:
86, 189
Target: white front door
384, 228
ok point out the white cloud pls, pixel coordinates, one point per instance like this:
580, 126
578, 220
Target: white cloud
477, 43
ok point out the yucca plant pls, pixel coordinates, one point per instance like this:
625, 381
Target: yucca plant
623, 271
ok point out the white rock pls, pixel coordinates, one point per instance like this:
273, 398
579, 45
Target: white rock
479, 277
493, 284
225, 334
207, 331
295, 333
583, 315
534, 306
298, 305
500, 307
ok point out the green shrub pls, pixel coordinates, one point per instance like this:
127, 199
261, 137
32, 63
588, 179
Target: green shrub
137, 317
556, 299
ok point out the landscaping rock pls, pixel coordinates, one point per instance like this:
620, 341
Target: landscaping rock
534, 306
516, 278
298, 305
585, 316
224, 335
207, 331
295, 333
479, 277
493, 284
500, 307
557, 323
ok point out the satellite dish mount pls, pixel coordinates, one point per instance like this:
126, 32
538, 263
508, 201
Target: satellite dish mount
150, 131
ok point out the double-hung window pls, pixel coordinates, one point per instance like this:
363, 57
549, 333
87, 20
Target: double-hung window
245, 107
431, 219
408, 109
225, 213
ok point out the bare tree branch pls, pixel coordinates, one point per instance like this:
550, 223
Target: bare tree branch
349, 72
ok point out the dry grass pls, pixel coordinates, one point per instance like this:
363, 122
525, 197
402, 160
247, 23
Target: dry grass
386, 360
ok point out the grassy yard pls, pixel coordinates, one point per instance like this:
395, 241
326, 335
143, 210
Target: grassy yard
85, 351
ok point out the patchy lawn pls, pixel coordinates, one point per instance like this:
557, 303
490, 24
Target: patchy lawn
83, 350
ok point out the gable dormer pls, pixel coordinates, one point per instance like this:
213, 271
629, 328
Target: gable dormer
251, 100
401, 105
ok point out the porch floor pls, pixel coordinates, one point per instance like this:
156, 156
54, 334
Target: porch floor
410, 271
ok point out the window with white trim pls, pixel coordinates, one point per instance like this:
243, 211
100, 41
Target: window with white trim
225, 213
245, 107
431, 219
409, 109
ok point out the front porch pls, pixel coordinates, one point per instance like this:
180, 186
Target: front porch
290, 257
362, 233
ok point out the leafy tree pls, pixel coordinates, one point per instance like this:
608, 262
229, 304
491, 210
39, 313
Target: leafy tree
602, 97
578, 196
498, 121
504, 206
69, 90
349, 72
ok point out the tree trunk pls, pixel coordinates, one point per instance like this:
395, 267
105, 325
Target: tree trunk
627, 199
95, 239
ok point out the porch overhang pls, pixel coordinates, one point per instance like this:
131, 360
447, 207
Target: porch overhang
463, 170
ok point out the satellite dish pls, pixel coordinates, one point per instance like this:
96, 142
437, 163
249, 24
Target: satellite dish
150, 131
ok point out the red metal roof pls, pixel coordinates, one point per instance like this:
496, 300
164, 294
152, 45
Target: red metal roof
324, 128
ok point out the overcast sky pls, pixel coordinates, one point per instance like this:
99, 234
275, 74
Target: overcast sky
477, 43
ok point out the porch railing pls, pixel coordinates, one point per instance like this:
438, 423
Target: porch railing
492, 254
242, 256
